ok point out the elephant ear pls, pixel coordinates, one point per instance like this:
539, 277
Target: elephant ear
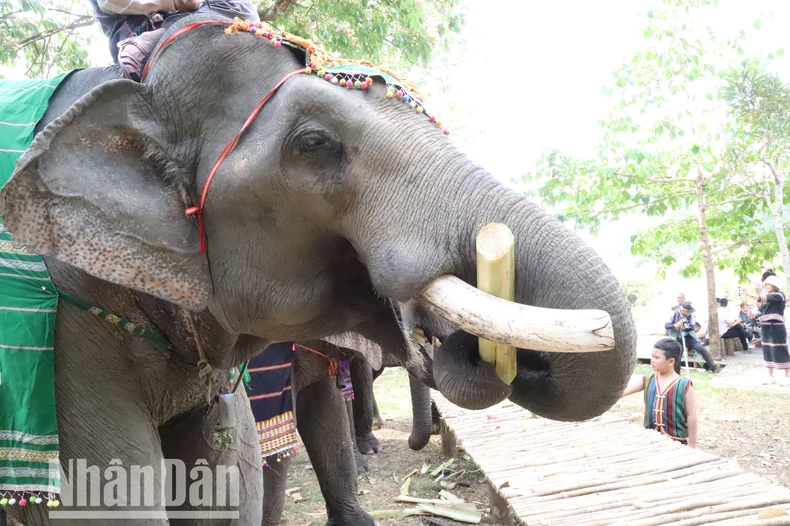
87, 193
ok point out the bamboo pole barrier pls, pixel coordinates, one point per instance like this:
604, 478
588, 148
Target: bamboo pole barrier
647, 481
605, 459
606, 486
659, 515
496, 275
783, 521
702, 516
577, 505
715, 518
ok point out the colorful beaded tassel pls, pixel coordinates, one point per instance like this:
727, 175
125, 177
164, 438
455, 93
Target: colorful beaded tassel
352, 74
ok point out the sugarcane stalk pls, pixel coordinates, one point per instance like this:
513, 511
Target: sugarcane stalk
496, 275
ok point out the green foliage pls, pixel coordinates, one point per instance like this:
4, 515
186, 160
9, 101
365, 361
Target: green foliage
399, 33
668, 149
639, 291
40, 38
42, 35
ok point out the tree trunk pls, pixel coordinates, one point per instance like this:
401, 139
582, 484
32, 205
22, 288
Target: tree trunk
778, 216
707, 259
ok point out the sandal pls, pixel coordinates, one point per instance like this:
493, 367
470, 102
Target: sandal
133, 52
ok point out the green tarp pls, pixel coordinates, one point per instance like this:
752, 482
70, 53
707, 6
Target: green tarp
28, 305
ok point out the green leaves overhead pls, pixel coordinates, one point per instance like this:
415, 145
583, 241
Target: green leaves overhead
398, 33
43, 37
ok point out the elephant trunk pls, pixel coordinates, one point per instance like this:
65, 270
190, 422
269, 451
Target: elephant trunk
462, 377
554, 269
421, 414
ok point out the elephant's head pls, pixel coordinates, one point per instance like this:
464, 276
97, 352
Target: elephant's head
335, 204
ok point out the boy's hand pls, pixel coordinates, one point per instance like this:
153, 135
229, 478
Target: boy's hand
187, 5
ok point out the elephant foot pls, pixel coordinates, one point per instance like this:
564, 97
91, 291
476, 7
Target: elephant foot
361, 462
368, 444
358, 518
378, 422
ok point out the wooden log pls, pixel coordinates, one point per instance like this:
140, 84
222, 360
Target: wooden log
496, 275
522, 326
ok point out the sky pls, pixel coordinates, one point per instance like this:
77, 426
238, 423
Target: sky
527, 75
530, 77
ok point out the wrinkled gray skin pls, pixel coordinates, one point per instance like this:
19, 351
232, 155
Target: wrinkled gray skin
324, 424
327, 426
334, 202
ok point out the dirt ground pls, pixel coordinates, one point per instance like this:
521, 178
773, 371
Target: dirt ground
739, 418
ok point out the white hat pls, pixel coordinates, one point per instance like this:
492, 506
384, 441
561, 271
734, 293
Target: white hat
773, 280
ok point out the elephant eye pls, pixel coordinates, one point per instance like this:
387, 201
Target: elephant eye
312, 141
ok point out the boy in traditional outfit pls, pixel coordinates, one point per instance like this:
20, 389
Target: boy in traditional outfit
670, 404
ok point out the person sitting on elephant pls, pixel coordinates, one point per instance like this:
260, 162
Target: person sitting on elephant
135, 26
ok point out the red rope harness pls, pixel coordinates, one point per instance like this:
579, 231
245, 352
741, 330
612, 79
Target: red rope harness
198, 210
333, 362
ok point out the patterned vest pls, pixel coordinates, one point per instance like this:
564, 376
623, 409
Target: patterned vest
665, 410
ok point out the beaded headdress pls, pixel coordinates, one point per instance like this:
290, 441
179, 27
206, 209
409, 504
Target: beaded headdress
353, 74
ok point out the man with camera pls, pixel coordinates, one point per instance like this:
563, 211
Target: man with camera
681, 328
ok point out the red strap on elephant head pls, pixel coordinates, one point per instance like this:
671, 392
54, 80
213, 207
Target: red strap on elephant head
198, 210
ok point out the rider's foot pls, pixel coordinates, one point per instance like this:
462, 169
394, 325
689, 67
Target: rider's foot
133, 52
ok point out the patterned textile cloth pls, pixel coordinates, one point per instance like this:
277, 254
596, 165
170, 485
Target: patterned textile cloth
269, 392
774, 331
348, 389
29, 452
665, 410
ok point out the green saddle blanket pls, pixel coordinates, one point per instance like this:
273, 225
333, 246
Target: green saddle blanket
29, 461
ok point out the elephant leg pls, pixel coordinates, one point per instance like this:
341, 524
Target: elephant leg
275, 477
421, 414
234, 487
378, 422
323, 425
362, 378
359, 459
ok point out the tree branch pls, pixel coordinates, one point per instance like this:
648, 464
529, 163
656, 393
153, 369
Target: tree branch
637, 205
12, 13
730, 246
708, 205
771, 167
82, 21
278, 8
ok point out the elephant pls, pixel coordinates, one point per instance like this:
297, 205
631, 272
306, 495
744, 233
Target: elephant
326, 424
332, 207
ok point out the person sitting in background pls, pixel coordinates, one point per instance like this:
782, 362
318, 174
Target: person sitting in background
702, 333
747, 318
681, 298
135, 26
730, 326
681, 328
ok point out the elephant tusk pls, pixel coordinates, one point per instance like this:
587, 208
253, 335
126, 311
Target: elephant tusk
522, 326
